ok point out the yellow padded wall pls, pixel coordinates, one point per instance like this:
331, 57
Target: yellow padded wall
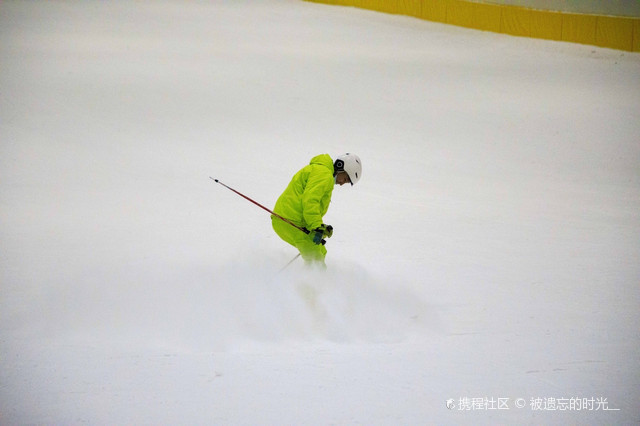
605, 31
434, 10
488, 17
579, 28
387, 6
516, 21
546, 25
460, 12
410, 7
614, 32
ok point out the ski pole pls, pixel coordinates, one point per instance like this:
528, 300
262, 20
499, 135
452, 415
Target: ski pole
305, 230
290, 262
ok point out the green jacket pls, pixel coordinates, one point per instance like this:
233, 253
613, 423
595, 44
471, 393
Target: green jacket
306, 199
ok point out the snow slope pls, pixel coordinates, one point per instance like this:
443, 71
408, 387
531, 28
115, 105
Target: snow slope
489, 254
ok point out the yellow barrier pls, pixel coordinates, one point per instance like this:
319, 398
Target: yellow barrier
598, 30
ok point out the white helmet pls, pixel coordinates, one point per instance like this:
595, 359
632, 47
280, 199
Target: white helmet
349, 163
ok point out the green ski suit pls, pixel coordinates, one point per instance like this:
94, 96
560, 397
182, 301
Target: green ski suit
304, 202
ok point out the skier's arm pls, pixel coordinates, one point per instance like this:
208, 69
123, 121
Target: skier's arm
318, 187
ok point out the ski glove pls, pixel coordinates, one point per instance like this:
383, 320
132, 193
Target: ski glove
327, 230
320, 232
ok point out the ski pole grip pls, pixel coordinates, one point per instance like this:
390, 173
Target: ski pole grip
306, 231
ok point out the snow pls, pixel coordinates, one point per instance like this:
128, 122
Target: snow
490, 251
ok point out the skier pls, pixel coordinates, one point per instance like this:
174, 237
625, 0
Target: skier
306, 200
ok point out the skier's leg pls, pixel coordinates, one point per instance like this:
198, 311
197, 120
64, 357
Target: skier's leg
310, 251
284, 230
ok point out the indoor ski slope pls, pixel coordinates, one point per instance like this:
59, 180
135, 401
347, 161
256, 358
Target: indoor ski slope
487, 260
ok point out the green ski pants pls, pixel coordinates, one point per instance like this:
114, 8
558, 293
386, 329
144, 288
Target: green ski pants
310, 251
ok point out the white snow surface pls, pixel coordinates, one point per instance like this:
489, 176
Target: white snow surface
490, 251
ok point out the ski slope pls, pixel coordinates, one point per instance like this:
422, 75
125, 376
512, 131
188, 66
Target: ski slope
488, 256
